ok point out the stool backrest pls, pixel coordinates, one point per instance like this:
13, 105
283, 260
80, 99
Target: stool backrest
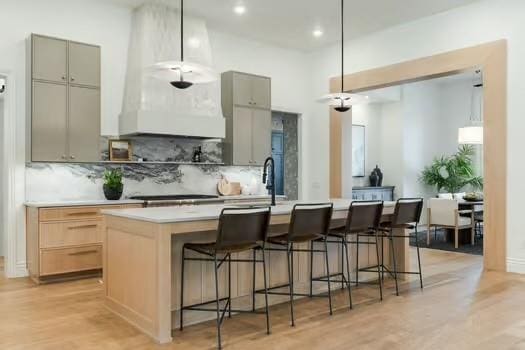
407, 211
364, 216
239, 226
310, 219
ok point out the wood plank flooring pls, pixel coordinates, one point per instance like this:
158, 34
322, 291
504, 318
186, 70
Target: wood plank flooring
460, 308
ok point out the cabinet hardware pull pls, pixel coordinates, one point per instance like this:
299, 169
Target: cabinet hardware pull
63, 77
72, 157
72, 79
81, 226
84, 213
84, 252
64, 156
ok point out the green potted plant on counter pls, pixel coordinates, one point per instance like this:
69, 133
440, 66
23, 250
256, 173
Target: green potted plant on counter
454, 172
113, 185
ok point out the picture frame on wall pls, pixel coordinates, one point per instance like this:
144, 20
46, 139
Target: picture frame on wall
120, 151
358, 150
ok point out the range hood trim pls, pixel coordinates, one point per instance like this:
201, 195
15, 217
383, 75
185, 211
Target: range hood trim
165, 123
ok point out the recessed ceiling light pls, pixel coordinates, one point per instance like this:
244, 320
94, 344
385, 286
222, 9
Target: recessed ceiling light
317, 33
239, 9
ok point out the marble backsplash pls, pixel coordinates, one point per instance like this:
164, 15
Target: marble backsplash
83, 181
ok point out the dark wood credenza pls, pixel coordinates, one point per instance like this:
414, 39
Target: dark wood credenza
385, 193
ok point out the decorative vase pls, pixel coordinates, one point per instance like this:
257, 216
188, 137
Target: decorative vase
374, 179
379, 175
113, 193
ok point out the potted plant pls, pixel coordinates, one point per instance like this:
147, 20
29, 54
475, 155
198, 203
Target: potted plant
454, 172
113, 185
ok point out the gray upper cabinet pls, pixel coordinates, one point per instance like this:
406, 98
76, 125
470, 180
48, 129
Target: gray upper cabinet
84, 124
64, 101
49, 124
250, 90
246, 101
84, 64
49, 59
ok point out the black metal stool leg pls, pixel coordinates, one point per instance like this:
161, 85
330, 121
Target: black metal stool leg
253, 280
380, 281
229, 285
394, 261
357, 261
342, 266
345, 246
290, 281
267, 310
382, 258
181, 325
419, 260
311, 267
219, 344
328, 274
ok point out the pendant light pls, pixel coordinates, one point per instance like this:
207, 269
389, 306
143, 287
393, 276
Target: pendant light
472, 134
181, 74
342, 101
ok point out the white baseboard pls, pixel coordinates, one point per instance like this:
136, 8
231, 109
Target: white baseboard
21, 270
516, 265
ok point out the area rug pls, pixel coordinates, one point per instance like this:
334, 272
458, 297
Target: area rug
439, 243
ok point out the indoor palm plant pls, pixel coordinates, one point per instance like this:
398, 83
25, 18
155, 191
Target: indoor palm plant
113, 185
454, 172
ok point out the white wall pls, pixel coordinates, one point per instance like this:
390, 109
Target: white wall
466, 26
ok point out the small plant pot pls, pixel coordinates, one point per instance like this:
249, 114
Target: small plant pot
113, 193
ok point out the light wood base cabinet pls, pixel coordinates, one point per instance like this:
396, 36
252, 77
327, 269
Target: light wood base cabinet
65, 242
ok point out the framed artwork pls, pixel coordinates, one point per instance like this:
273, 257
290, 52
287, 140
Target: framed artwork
358, 150
120, 150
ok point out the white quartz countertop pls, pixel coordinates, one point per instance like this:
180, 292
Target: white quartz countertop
79, 203
87, 202
165, 215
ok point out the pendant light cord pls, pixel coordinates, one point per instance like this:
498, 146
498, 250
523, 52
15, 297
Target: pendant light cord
342, 46
182, 31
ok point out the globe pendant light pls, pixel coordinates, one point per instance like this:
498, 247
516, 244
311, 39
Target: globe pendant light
182, 74
342, 101
472, 134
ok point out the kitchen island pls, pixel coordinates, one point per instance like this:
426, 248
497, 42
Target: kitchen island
142, 259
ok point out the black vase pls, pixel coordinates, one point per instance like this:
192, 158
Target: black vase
374, 179
113, 193
379, 175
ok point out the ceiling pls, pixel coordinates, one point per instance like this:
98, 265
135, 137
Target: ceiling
289, 23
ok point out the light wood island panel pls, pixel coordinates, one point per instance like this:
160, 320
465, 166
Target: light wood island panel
142, 262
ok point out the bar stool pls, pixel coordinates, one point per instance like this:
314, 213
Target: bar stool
362, 220
239, 230
407, 214
309, 222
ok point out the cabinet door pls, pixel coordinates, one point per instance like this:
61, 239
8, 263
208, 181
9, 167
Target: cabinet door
49, 122
242, 136
242, 89
84, 64
261, 92
49, 59
261, 135
84, 124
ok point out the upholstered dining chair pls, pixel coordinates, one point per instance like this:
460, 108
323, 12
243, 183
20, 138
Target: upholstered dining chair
445, 213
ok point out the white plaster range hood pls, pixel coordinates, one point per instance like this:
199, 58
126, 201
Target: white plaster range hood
151, 105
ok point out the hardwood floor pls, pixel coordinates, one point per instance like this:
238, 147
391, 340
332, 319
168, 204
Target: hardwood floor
460, 308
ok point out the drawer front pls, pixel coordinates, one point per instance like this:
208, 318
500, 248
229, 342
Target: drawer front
63, 234
76, 213
56, 261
